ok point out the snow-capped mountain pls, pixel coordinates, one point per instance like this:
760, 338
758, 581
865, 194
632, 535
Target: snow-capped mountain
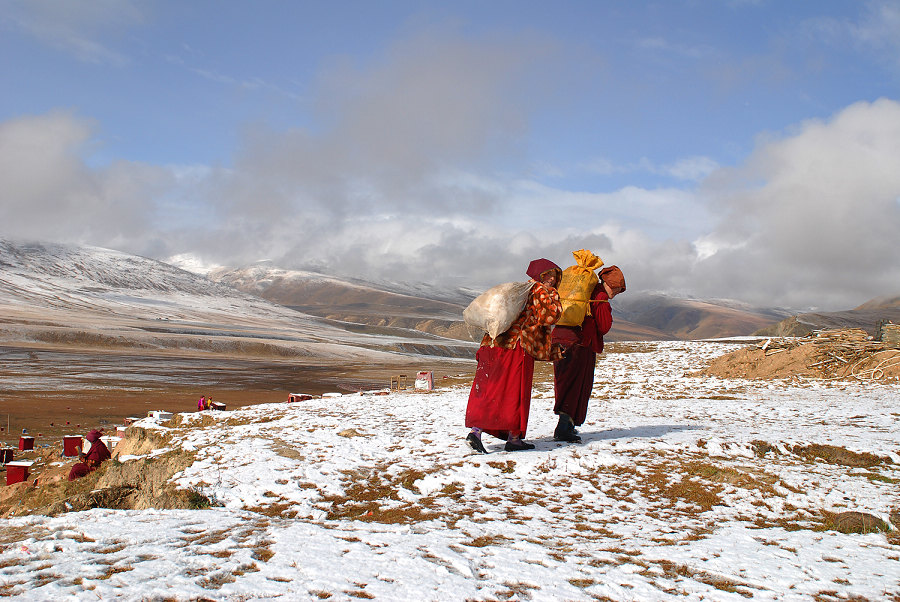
131, 299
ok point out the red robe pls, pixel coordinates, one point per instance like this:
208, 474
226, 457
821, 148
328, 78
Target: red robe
573, 375
500, 399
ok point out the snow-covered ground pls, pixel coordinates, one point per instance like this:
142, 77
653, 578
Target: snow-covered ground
378, 497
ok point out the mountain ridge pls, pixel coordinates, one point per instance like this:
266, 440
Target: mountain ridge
88, 296
646, 317
867, 316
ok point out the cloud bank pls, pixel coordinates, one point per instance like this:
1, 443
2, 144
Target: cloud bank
812, 217
417, 169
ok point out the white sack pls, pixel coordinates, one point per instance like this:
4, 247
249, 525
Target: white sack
494, 310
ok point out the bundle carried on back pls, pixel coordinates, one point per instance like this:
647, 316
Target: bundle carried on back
578, 282
494, 310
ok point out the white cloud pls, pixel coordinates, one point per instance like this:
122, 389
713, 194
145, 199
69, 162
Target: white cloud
49, 192
403, 180
813, 215
691, 168
879, 25
78, 27
666, 46
809, 219
686, 169
874, 30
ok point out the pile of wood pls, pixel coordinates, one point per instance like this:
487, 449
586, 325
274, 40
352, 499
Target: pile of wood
777, 345
842, 353
890, 335
843, 349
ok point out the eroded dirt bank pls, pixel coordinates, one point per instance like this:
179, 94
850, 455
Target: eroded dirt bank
136, 484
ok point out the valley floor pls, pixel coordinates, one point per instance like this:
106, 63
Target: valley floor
52, 391
685, 488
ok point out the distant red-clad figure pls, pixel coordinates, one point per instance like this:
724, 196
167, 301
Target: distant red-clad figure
91, 461
201, 404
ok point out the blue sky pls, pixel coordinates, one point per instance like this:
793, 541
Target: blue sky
743, 149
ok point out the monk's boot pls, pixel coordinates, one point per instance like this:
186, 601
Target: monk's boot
565, 430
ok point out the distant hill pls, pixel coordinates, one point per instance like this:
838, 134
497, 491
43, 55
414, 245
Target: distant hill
647, 317
88, 297
353, 302
383, 306
694, 319
867, 316
65, 294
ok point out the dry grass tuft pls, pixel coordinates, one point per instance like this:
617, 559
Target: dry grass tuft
880, 478
286, 450
112, 570
408, 478
702, 495
855, 522
217, 579
505, 467
761, 448
372, 495
516, 591
482, 541
206, 538
838, 455
262, 552
719, 582
275, 510
112, 549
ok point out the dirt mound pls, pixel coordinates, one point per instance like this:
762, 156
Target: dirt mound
831, 354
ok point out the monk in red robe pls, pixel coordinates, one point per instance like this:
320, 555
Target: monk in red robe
500, 399
573, 375
91, 461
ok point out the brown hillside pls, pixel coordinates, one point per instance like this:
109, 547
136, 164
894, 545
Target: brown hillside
881, 303
693, 319
866, 317
377, 311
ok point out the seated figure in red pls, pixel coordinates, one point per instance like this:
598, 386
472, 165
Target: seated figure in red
92, 459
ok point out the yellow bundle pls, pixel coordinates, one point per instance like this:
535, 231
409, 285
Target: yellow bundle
575, 288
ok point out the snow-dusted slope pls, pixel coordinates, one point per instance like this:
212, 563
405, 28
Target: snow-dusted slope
89, 288
92, 279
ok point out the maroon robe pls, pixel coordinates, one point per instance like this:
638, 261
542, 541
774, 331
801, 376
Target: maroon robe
573, 376
92, 460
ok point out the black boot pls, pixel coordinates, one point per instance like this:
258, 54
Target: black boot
518, 445
475, 443
565, 430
